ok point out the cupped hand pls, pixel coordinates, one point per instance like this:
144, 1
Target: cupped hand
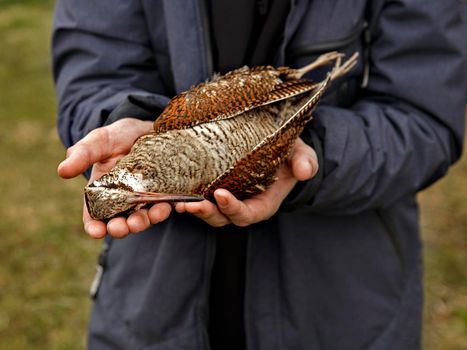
101, 148
302, 165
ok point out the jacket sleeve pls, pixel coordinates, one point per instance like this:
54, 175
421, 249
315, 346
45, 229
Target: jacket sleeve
102, 55
407, 128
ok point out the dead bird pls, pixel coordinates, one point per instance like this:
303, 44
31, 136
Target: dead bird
231, 132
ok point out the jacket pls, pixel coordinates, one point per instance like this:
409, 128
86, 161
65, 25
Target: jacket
339, 266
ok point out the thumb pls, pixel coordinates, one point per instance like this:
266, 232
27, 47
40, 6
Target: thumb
101, 144
304, 161
94, 147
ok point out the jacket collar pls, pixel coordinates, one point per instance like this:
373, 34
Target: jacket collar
297, 11
188, 36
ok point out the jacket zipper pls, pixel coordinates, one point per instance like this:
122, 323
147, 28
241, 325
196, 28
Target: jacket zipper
206, 29
326, 46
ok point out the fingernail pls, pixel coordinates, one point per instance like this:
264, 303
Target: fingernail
63, 162
307, 167
222, 201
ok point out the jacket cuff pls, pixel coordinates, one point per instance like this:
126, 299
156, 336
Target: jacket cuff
143, 107
304, 192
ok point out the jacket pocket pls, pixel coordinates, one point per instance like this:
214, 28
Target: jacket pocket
344, 93
339, 44
392, 237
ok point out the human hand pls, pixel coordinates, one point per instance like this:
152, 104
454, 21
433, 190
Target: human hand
301, 165
101, 148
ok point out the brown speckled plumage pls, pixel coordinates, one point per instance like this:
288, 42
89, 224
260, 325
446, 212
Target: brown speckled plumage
232, 132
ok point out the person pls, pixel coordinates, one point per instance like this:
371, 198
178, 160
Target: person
328, 257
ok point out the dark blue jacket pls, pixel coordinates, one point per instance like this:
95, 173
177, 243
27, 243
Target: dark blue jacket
339, 266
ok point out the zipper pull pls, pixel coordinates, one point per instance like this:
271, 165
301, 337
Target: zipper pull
100, 267
96, 282
262, 6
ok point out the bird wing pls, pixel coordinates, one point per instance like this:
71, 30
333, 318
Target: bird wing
254, 172
227, 96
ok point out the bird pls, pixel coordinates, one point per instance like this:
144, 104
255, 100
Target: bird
233, 132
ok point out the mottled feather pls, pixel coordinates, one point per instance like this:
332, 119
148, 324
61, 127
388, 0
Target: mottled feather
256, 170
228, 96
232, 132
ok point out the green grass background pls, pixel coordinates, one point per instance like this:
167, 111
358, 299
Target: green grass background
47, 263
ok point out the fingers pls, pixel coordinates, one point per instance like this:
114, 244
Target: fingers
303, 162
94, 228
159, 212
229, 210
238, 212
120, 227
204, 210
138, 221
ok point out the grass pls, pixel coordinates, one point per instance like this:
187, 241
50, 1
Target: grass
444, 224
47, 263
